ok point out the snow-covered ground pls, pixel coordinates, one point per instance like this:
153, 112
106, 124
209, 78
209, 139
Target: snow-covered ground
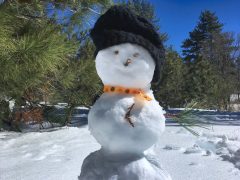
59, 154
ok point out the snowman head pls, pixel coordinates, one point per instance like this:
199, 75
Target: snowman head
123, 37
126, 65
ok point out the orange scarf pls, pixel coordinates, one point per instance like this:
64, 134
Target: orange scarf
122, 90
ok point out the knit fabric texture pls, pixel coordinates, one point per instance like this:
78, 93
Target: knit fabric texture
121, 25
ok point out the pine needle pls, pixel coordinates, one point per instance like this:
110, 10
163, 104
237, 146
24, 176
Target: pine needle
190, 118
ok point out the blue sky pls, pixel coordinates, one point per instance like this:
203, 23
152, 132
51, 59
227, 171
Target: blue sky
178, 17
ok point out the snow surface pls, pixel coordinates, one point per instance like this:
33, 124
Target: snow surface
59, 154
182, 109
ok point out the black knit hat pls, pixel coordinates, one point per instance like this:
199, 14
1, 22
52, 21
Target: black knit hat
120, 25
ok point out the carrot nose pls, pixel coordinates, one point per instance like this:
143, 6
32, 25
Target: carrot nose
127, 62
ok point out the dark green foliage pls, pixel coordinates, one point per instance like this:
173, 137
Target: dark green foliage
78, 85
31, 52
38, 59
209, 64
52, 115
198, 69
237, 64
78, 82
5, 113
219, 54
171, 91
207, 25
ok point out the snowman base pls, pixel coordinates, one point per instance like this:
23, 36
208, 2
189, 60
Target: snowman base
101, 165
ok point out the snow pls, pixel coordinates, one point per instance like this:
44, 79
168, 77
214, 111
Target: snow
182, 109
59, 154
195, 157
44, 155
81, 107
118, 167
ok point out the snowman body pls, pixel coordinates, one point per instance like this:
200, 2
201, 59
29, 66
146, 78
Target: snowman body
101, 165
121, 156
108, 125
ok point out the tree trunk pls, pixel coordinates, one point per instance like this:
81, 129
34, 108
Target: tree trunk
69, 114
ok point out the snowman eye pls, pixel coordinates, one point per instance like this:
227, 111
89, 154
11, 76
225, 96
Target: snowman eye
116, 52
135, 54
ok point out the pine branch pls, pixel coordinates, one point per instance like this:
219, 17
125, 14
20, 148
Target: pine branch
189, 118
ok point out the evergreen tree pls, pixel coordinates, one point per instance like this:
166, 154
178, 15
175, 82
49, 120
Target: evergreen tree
76, 16
219, 53
207, 26
198, 79
31, 52
208, 58
35, 53
237, 85
78, 82
171, 91
236, 56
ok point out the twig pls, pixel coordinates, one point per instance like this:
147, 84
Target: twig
128, 114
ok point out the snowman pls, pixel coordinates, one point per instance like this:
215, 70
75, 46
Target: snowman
126, 120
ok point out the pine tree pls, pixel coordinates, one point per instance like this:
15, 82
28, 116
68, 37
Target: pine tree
219, 54
210, 66
208, 25
236, 56
77, 16
171, 91
35, 51
198, 77
78, 82
31, 52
